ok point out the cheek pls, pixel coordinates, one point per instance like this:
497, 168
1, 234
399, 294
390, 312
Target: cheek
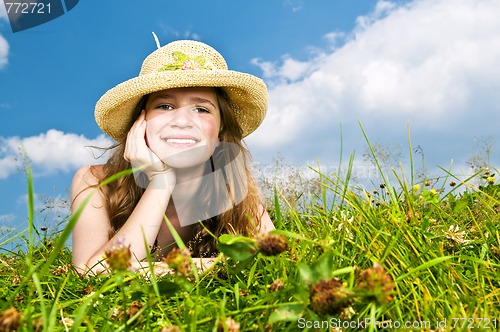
211, 130
149, 136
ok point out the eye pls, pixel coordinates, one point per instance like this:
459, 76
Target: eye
165, 107
201, 110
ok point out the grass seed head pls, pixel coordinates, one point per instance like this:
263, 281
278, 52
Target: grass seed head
376, 284
329, 297
118, 257
272, 244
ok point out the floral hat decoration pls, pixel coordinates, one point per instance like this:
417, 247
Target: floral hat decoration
180, 64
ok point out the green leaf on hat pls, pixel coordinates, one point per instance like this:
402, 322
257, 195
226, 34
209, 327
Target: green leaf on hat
183, 62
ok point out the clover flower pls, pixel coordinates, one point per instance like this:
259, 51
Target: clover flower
134, 308
229, 325
178, 260
272, 244
67, 322
329, 297
10, 319
376, 284
118, 257
60, 270
344, 221
276, 285
455, 236
89, 289
171, 328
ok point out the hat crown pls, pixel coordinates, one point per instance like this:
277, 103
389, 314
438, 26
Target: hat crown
183, 55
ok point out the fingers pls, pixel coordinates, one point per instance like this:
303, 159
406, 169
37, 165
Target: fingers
136, 140
137, 152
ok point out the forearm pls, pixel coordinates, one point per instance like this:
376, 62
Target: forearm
162, 268
141, 229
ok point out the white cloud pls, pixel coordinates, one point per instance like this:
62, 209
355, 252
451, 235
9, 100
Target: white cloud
3, 13
290, 70
295, 5
4, 45
4, 52
50, 152
433, 62
168, 31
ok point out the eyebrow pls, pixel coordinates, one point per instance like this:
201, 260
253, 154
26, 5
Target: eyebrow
195, 99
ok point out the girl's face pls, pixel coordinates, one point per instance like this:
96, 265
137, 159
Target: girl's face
183, 125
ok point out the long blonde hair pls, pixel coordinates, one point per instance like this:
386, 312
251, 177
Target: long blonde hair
243, 218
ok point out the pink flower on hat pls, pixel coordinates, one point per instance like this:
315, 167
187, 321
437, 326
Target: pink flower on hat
191, 65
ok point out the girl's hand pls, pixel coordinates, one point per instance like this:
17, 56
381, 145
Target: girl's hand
141, 156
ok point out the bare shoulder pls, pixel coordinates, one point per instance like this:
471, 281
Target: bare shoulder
90, 174
85, 178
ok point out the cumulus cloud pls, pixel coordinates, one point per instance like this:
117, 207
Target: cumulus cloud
169, 31
50, 152
3, 13
433, 62
4, 52
295, 5
4, 45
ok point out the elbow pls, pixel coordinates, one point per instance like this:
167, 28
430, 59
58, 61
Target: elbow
90, 268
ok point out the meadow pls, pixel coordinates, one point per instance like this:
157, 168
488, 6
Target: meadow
407, 253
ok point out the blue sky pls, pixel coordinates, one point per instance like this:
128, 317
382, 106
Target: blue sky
432, 63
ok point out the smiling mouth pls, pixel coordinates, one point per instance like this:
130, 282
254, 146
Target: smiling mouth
180, 140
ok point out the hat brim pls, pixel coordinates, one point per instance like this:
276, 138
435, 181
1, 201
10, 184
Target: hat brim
247, 93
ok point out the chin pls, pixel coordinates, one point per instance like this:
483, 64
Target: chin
189, 158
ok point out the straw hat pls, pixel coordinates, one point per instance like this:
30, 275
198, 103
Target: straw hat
183, 63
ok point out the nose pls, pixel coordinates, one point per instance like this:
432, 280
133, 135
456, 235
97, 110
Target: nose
184, 117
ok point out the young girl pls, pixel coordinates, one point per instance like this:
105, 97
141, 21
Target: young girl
180, 125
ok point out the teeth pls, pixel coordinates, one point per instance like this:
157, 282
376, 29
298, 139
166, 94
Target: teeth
181, 140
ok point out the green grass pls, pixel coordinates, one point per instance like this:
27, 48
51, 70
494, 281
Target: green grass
436, 255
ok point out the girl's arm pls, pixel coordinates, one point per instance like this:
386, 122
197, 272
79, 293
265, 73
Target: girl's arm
91, 232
